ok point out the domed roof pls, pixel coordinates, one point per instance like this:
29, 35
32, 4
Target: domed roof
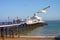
17, 18
36, 17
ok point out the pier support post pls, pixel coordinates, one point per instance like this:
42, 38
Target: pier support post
2, 33
12, 32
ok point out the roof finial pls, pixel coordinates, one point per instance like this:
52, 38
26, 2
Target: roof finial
35, 14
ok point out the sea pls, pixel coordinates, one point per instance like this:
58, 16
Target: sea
52, 29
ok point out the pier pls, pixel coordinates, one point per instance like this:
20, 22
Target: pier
3, 28
10, 35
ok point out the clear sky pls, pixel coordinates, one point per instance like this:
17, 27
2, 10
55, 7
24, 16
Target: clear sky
24, 8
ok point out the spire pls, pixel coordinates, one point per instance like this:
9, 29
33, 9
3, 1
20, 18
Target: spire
28, 17
35, 14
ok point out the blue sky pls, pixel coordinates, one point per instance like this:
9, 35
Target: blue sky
24, 8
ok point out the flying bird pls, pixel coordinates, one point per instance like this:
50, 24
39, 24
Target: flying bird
43, 10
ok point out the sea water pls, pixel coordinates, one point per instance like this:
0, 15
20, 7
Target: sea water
52, 29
